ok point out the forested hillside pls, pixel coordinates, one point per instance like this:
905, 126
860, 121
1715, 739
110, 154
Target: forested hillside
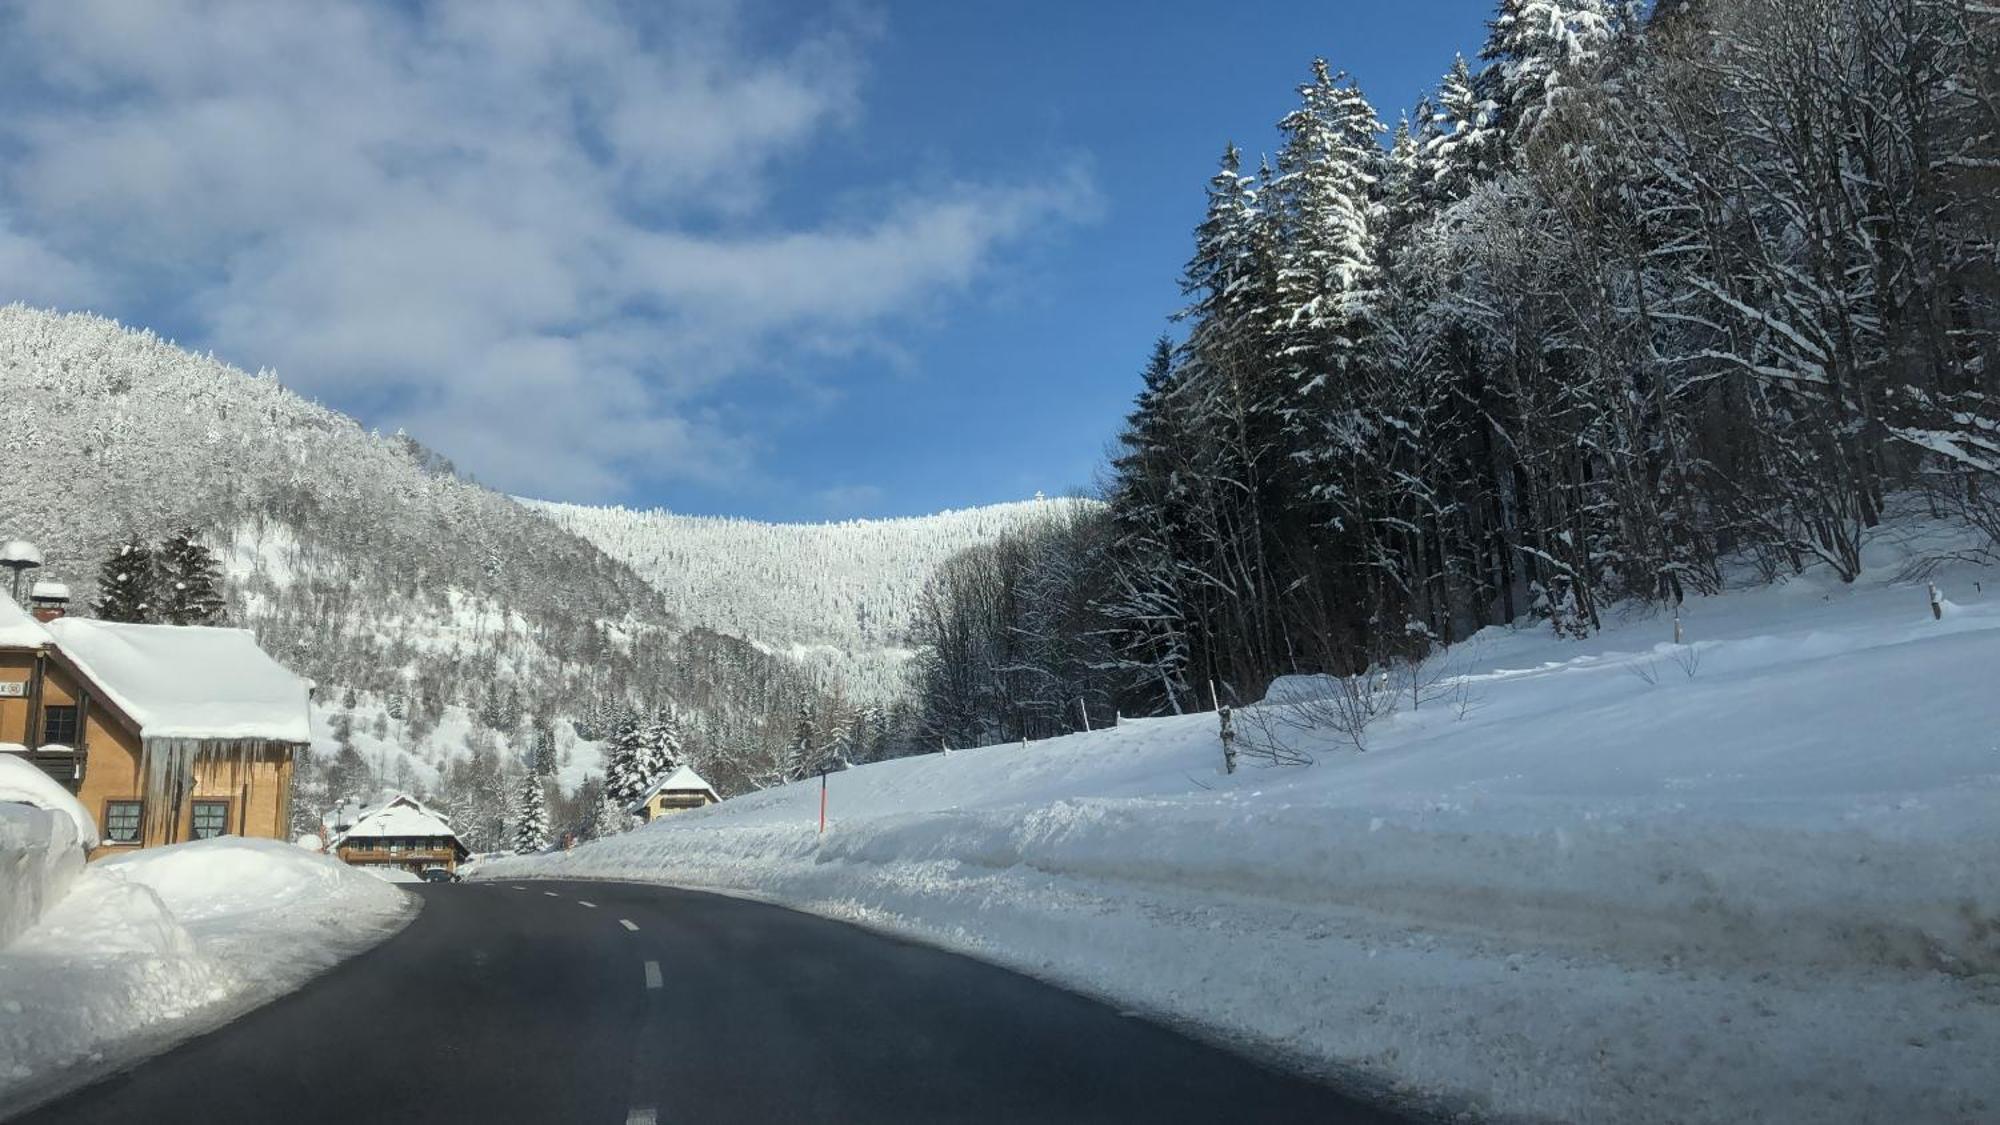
839, 597
456, 636
1644, 292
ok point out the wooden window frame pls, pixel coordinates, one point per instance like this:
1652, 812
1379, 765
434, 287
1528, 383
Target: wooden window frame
138, 828
50, 710
228, 807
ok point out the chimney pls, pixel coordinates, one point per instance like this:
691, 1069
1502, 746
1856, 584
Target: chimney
48, 599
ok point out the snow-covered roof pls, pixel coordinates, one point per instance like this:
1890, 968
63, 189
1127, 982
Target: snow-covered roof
681, 780
18, 629
20, 552
351, 812
49, 588
398, 820
188, 681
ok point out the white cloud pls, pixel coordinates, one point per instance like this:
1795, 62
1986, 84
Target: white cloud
533, 233
845, 501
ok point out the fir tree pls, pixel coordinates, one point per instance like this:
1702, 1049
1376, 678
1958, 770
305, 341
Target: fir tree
1540, 51
609, 818
659, 750
625, 769
801, 755
1461, 138
531, 817
128, 584
190, 582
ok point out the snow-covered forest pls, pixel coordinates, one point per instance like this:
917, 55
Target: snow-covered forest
1641, 289
839, 597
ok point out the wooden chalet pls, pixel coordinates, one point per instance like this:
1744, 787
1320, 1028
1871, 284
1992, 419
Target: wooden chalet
399, 832
166, 733
679, 791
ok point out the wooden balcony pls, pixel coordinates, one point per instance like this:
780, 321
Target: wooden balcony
65, 766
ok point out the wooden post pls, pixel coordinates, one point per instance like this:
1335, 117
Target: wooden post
1228, 742
1677, 624
1083, 710
1937, 604
822, 802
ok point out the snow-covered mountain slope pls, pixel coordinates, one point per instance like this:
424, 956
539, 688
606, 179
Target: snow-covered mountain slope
359, 559
1745, 878
835, 596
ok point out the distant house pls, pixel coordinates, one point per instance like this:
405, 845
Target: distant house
399, 832
679, 791
166, 733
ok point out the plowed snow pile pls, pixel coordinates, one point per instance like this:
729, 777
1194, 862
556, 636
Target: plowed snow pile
149, 948
1755, 877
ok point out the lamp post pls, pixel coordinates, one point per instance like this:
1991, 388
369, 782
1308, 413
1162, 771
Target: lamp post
19, 556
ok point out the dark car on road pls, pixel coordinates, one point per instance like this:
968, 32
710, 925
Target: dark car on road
438, 875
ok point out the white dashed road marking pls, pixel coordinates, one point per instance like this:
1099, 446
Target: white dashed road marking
628, 924
551, 894
642, 1115
653, 980
592, 905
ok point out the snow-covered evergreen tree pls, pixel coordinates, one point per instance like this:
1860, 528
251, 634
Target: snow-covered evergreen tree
531, 816
128, 584
190, 582
1461, 140
1542, 50
608, 818
659, 748
802, 754
626, 763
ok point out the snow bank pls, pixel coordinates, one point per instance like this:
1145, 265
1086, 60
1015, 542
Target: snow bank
1750, 877
159, 945
44, 833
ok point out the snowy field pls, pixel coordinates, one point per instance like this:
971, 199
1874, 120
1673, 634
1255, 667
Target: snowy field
1752, 878
147, 949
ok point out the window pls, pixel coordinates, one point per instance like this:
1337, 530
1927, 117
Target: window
59, 726
211, 819
121, 822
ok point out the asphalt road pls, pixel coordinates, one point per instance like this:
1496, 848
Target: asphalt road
620, 1003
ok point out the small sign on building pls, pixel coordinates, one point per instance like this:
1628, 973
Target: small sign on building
13, 689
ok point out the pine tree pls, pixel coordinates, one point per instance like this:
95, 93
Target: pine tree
531, 817
1540, 51
659, 751
543, 751
1327, 272
801, 755
625, 776
190, 582
1461, 139
608, 819
128, 584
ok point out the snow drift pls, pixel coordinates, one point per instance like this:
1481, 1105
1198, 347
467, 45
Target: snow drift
149, 948
1745, 877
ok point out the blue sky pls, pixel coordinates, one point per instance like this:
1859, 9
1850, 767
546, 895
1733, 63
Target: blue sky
722, 256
